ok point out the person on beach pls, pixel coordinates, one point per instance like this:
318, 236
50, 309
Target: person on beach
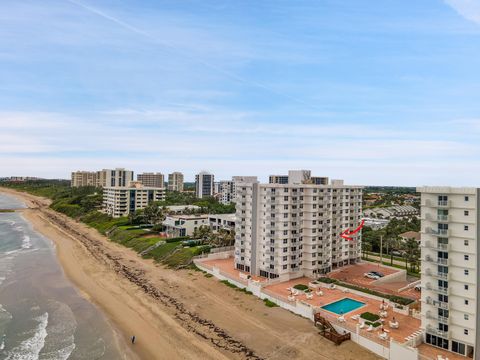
133, 339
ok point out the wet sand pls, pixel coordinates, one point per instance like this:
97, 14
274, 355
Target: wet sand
175, 314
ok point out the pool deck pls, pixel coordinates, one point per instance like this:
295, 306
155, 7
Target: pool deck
408, 324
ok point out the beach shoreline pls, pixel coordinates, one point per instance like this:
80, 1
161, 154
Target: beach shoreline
174, 314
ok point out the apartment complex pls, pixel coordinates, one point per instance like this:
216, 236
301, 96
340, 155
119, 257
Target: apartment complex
184, 225
291, 230
204, 184
303, 176
175, 181
116, 177
152, 179
227, 188
122, 200
84, 178
449, 263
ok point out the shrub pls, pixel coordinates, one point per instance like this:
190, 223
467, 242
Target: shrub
301, 287
374, 324
327, 280
370, 316
269, 303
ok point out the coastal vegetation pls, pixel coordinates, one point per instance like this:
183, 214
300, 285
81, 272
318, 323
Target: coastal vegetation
142, 230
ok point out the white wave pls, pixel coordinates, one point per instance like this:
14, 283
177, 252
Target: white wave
26, 243
61, 354
2, 345
30, 348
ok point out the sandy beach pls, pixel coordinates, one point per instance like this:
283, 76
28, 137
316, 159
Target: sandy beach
175, 314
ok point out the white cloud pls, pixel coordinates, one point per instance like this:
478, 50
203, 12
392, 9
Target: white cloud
469, 9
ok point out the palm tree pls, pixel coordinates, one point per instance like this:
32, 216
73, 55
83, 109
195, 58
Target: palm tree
366, 247
412, 255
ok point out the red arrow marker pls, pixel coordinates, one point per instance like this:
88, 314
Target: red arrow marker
345, 234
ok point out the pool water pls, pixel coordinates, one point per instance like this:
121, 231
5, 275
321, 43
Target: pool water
343, 306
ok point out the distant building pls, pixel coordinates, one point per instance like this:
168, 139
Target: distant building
152, 179
204, 184
122, 200
227, 188
112, 178
184, 225
175, 181
278, 179
376, 224
180, 209
410, 235
222, 221
84, 178
396, 211
20, 178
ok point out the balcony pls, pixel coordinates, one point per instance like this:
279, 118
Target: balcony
439, 290
437, 204
434, 331
439, 304
438, 232
436, 274
433, 316
436, 246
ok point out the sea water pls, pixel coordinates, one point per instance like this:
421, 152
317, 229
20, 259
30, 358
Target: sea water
42, 316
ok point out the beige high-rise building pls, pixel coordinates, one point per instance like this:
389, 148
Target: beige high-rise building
291, 230
121, 200
175, 181
152, 179
116, 177
450, 268
227, 189
84, 178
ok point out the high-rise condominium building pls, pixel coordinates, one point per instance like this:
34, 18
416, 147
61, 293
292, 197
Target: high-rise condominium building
204, 184
152, 179
117, 177
175, 181
121, 200
228, 188
278, 179
84, 178
449, 263
291, 230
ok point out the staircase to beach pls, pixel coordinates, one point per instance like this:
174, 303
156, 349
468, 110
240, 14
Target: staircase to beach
328, 331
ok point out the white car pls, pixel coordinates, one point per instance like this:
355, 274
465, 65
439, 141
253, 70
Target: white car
371, 276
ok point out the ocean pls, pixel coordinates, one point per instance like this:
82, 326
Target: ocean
42, 316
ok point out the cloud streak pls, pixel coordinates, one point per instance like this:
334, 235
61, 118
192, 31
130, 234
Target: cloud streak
469, 9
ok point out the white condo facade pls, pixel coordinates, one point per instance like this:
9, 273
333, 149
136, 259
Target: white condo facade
449, 263
121, 200
204, 184
291, 230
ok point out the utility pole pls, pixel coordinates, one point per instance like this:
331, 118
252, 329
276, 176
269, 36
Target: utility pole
381, 250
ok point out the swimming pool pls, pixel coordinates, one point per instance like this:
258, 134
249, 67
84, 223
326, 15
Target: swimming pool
343, 306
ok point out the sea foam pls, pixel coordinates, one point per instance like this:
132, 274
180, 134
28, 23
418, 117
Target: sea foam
30, 348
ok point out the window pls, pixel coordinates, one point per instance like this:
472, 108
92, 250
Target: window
457, 347
465, 331
465, 227
466, 213
466, 198
465, 272
465, 242
466, 257
465, 287
465, 316
465, 302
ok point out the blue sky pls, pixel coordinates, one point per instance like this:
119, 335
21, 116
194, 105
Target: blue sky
374, 92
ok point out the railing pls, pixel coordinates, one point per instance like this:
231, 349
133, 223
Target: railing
438, 332
440, 304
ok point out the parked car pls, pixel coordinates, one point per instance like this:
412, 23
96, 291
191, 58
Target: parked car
418, 287
371, 276
379, 274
